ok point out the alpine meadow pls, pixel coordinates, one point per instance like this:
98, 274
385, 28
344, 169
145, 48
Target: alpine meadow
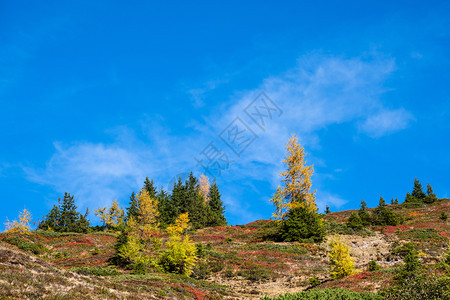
225, 150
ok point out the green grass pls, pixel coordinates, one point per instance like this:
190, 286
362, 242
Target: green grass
423, 234
327, 294
95, 271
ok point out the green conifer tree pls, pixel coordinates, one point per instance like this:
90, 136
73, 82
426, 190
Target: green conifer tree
133, 209
364, 215
166, 207
431, 196
215, 204
195, 203
149, 185
354, 221
417, 191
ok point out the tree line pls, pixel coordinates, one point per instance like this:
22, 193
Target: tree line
196, 196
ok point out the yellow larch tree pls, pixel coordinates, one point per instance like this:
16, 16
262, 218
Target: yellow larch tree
180, 254
142, 232
296, 189
147, 217
111, 217
21, 226
204, 186
341, 264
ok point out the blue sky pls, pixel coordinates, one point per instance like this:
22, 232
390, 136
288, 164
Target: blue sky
97, 96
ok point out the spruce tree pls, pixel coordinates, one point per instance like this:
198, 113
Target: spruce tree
417, 191
69, 214
364, 215
302, 224
409, 198
327, 210
195, 203
133, 209
52, 220
216, 207
149, 185
166, 207
382, 215
431, 196
354, 221
65, 218
179, 197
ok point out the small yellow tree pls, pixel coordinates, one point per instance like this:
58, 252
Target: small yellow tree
111, 217
142, 233
296, 189
22, 226
204, 187
180, 255
133, 251
341, 264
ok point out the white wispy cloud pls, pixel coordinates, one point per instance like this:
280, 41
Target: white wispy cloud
320, 91
386, 122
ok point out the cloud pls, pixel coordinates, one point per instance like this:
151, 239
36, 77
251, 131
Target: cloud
386, 122
325, 198
318, 92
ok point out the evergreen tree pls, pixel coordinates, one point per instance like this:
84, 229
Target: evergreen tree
382, 215
195, 203
302, 224
166, 207
215, 204
65, 217
354, 221
133, 209
327, 210
179, 197
51, 220
149, 185
409, 198
364, 215
417, 191
69, 215
431, 196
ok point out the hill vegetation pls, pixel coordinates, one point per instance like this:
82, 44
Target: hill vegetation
177, 245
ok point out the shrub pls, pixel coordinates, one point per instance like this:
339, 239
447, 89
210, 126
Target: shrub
341, 264
314, 281
411, 267
443, 216
373, 266
180, 255
354, 221
201, 270
423, 287
384, 216
96, 251
403, 250
327, 294
255, 273
95, 271
25, 245
139, 268
423, 234
302, 224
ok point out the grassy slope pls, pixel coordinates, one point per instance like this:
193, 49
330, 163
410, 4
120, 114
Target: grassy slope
236, 261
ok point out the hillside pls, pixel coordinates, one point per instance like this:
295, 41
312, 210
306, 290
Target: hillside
236, 262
